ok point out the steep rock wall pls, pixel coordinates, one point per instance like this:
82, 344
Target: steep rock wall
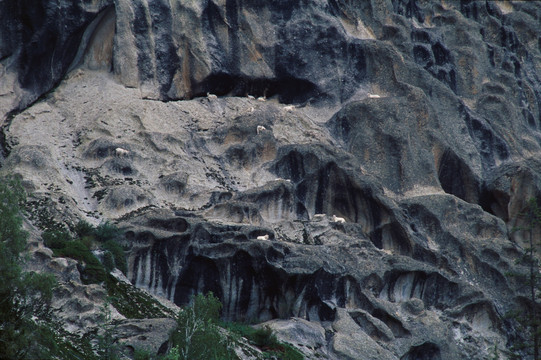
417, 122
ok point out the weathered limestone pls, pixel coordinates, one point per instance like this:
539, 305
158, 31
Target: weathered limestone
416, 122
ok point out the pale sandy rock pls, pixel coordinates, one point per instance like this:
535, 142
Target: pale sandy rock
350, 343
430, 176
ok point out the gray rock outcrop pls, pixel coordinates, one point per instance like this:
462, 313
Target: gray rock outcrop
417, 122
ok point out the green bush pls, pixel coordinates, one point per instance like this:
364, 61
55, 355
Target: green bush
243, 330
134, 303
105, 237
264, 338
76, 250
143, 354
197, 336
91, 269
207, 307
108, 261
84, 228
56, 239
107, 231
288, 352
93, 274
117, 252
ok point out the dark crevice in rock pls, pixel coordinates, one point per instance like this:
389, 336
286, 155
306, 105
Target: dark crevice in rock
371, 326
5, 147
493, 10
177, 224
482, 314
434, 289
328, 189
472, 9
198, 275
167, 59
495, 202
508, 39
237, 211
174, 183
332, 191
88, 40
489, 144
141, 28
392, 323
232, 20
50, 41
392, 237
457, 179
490, 273
421, 36
430, 53
250, 283
254, 290
490, 50
420, 253
423, 56
373, 283
294, 163
425, 223
409, 9
275, 202
425, 351
220, 196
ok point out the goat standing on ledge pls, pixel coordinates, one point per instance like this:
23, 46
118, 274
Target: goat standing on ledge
121, 152
337, 219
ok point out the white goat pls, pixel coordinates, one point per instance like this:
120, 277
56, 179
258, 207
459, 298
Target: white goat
260, 128
263, 237
337, 219
262, 98
121, 152
319, 216
289, 108
250, 97
211, 96
374, 96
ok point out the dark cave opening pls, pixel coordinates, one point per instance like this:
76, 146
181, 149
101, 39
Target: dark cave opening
288, 90
456, 178
425, 351
495, 202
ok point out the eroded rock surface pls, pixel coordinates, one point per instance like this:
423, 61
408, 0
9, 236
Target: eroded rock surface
416, 122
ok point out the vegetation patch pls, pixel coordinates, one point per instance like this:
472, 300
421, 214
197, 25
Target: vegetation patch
70, 346
134, 303
135, 212
39, 213
25, 297
200, 335
97, 249
265, 339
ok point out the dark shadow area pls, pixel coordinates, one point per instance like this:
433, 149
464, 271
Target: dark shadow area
426, 351
288, 90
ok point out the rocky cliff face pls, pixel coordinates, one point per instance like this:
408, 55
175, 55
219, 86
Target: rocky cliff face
416, 121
